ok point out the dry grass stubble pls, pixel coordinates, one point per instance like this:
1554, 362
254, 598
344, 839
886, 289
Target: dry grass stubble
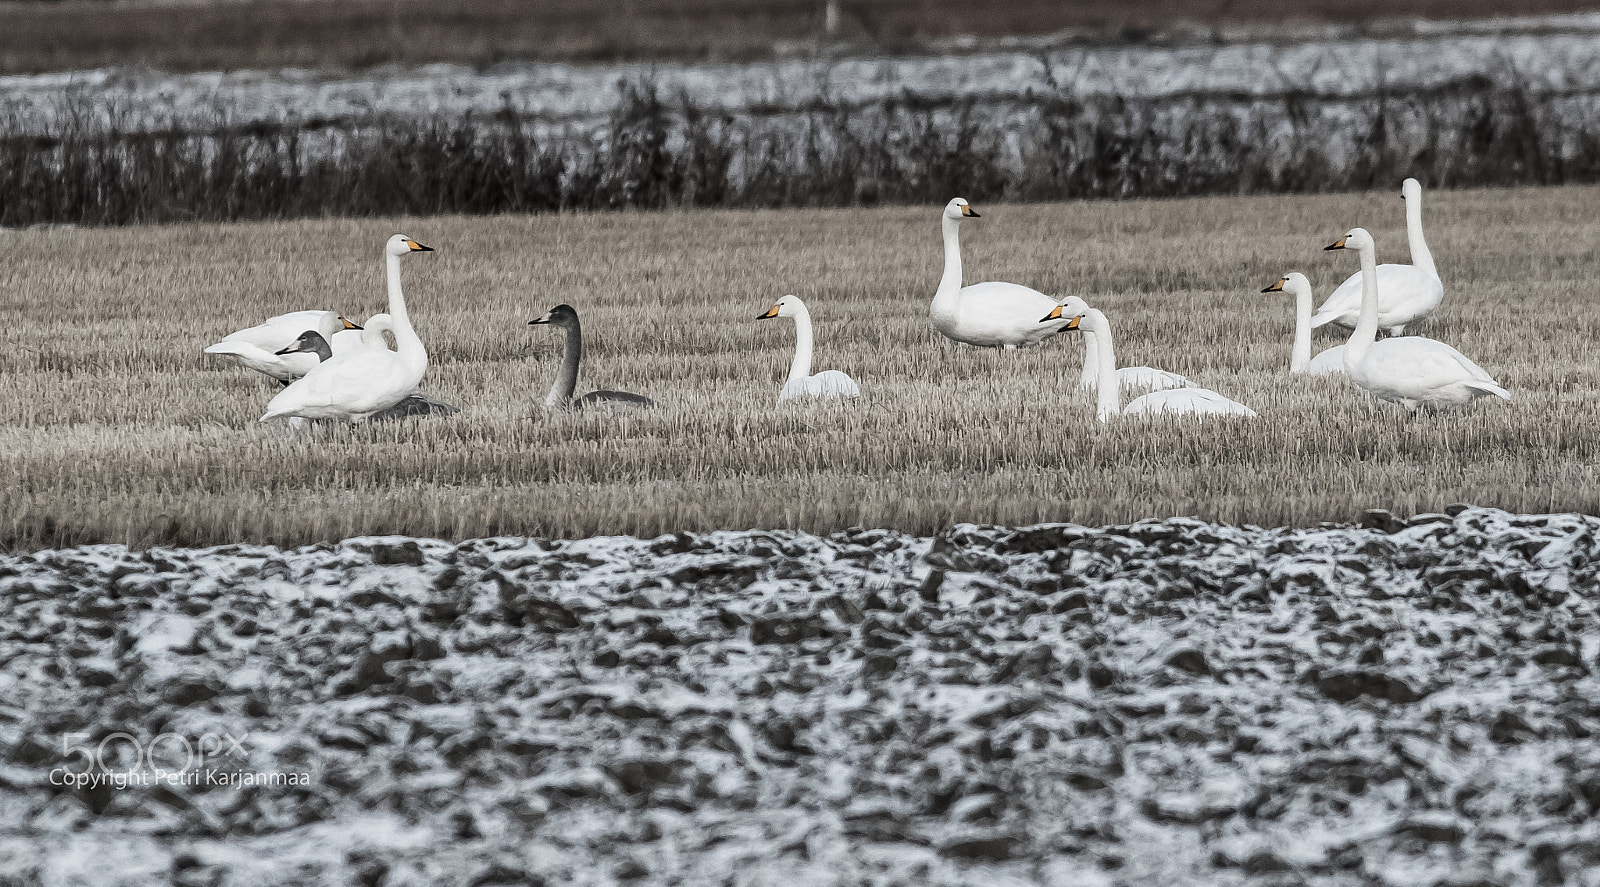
116, 428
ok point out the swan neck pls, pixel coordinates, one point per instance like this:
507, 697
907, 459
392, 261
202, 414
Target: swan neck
950, 283
566, 382
800, 367
1300, 357
407, 344
1366, 331
1420, 255
1108, 397
1090, 376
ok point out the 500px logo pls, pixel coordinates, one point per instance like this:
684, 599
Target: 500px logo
123, 755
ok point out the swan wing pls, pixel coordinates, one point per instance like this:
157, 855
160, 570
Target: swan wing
1150, 378
826, 384
613, 399
1186, 402
1426, 371
347, 386
283, 367
995, 313
1406, 294
1327, 363
416, 405
277, 333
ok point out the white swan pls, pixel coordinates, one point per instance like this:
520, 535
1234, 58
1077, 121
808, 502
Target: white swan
1176, 401
1135, 378
357, 384
1408, 293
989, 314
312, 342
566, 382
1327, 363
828, 383
1409, 370
258, 348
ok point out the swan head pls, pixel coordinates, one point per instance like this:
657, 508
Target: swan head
788, 306
561, 315
401, 245
1061, 311
1410, 189
1293, 282
958, 209
1355, 238
310, 341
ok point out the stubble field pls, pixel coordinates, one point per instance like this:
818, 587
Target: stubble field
116, 428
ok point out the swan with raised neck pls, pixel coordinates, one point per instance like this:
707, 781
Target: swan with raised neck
358, 384
1108, 395
800, 382
1300, 360
1409, 292
1410, 370
565, 384
992, 314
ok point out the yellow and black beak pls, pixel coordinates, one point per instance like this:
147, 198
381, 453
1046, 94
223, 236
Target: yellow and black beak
770, 312
969, 212
1278, 287
418, 248
348, 324
1072, 324
1337, 244
1055, 314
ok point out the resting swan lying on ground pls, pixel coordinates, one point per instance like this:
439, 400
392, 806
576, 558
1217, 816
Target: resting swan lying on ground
826, 384
566, 382
1177, 401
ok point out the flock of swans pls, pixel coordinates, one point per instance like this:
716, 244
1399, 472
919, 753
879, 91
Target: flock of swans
335, 369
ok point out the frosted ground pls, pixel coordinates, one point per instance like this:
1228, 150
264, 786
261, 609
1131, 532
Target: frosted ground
1172, 702
1558, 54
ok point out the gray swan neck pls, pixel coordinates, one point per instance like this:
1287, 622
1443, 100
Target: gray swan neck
567, 376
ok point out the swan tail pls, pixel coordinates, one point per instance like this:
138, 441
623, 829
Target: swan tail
1489, 388
226, 347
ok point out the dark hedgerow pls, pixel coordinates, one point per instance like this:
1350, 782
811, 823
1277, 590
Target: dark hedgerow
659, 152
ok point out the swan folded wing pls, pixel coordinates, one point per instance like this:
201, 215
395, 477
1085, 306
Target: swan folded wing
280, 332
1187, 402
998, 313
355, 384
1420, 370
284, 367
1328, 362
826, 384
416, 405
1150, 378
1418, 362
613, 399
1406, 294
